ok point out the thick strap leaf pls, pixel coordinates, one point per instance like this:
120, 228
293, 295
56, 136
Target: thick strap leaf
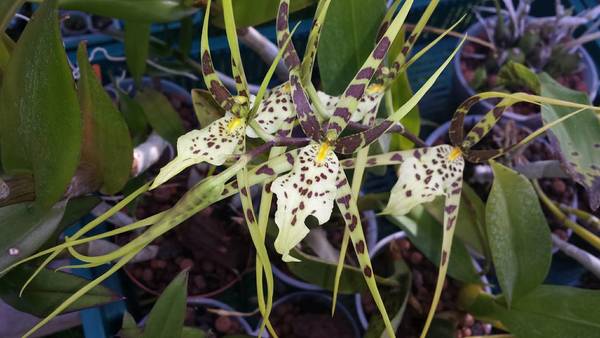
220, 93
348, 208
358, 86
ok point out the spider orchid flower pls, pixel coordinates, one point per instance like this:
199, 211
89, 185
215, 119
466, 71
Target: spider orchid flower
312, 186
225, 137
429, 173
359, 95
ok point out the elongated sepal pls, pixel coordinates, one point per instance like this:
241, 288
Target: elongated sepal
237, 67
308, 190
290, 57
219, 92
387, 19
453, 193
348, 208
304, 111
426, 174
368, 103
310, 54
352, 143
213, 144
275, 112
357, 87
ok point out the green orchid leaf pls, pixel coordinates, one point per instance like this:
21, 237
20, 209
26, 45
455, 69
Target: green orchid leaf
8, 10
146, 11
193, 332
40, 119
442, 328
160, 114
347, 39
107, 150
425, 232
24, 228
256, 12
167, 315
546, 312
48, 290
518, 234
134, 116
578, 138
129, 328
186, 35
6, 47
516, 75
137, 44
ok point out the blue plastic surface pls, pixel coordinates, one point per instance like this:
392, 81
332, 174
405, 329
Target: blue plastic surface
103, 321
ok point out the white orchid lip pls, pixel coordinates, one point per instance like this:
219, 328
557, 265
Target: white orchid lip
424, 176
309, 189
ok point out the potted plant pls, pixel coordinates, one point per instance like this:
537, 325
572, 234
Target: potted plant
511, 39
173, 314
311, 317
396, 254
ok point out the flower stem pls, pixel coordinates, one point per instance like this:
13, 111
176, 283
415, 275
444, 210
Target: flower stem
562, 217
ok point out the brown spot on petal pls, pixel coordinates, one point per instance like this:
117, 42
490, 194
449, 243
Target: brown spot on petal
360, 247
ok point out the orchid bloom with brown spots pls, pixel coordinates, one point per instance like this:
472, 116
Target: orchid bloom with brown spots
225, 137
